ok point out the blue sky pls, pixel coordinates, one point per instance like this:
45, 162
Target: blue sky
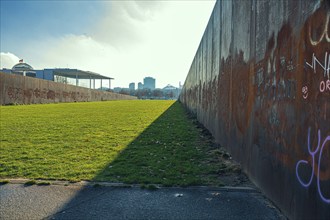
40, 19
127, 40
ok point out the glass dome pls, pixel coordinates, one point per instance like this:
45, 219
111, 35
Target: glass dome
22, 67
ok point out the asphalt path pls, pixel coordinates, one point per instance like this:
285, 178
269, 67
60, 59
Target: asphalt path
107, 202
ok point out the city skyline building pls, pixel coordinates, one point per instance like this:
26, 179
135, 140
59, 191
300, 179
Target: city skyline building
140, 85
149, 83
131, 86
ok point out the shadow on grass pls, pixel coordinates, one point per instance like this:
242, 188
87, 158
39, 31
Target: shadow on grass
172, 151
168, 152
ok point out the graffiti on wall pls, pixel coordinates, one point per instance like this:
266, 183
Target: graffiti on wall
315, 164
14, 93
316, 65
276, 84
324, 66
318, 37
275, 75
17, 91
305, 92
324, 34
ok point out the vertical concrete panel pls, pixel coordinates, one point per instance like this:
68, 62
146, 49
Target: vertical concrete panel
262, 28
213, 82
199, 78
226, 27
208, 84
224, 77
262, 71
241, 95
241, 29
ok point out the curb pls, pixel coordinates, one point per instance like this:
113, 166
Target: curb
124, 185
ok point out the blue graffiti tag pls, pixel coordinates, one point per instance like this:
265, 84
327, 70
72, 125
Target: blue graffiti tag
313, 153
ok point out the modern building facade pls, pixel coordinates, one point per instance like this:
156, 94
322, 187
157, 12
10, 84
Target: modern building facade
131, 86
149, 83
140, 85
58, 74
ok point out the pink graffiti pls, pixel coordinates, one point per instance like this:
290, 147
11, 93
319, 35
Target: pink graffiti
305, 92
325, 86
313, 154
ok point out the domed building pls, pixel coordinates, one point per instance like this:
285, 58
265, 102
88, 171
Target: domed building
171, 92
23, 69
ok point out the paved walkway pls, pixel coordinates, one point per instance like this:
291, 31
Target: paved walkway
87, 202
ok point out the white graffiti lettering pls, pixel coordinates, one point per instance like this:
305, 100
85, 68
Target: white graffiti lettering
325, 66
324, 34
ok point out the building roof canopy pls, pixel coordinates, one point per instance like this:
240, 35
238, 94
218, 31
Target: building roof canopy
80, 74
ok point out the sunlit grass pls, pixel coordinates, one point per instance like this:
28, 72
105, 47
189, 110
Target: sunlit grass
72, 140
137, 141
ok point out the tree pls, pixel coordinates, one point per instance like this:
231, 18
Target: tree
61, 79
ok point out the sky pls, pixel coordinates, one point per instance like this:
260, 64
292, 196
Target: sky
126, 40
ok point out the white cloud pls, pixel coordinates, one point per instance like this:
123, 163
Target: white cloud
125, 21
8, 60
75, 51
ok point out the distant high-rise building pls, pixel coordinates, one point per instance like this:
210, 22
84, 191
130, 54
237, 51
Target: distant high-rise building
180, 85
131, 86
140, 85
149, 83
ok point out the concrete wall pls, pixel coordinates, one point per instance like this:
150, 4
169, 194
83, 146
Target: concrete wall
16, 89
260, 83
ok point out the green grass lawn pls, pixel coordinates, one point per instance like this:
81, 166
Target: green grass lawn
136, 141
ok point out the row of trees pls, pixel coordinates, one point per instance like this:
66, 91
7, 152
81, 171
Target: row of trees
152, 94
